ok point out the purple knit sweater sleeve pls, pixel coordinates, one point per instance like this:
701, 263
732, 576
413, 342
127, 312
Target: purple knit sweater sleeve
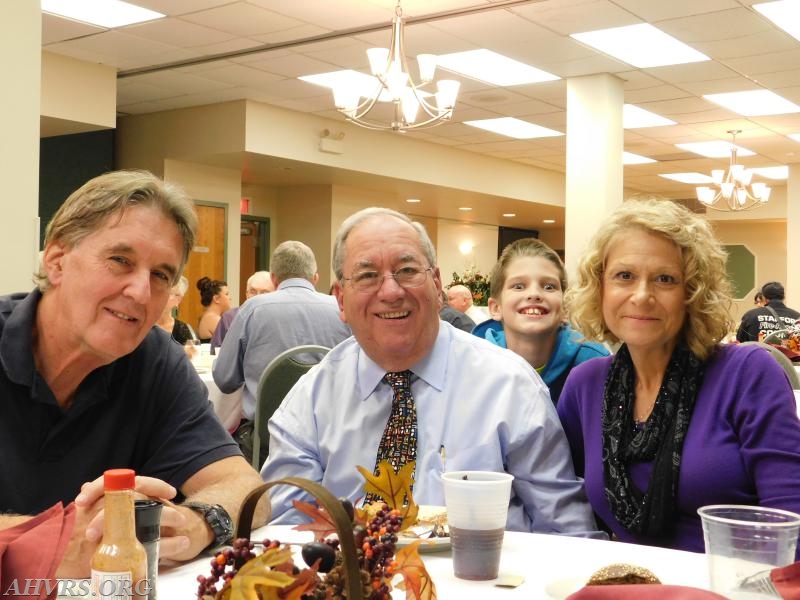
742, 447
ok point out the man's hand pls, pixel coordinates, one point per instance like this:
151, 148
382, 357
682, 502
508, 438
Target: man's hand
88, 530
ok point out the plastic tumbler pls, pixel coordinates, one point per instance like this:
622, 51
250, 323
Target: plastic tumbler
744, 543
148, 532
477, 509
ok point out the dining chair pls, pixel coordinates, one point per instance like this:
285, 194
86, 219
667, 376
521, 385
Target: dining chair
276, 380
776, 337
783, 361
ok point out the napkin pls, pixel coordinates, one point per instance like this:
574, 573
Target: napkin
34, 549
643, 592
787, 581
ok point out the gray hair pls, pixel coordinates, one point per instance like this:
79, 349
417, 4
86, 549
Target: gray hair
368, 213
109, 195
182, 285
293, 259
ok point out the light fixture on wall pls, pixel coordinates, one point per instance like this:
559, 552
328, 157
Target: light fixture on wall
393, 82
734, 190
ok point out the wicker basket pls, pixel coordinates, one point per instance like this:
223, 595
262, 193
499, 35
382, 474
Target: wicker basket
344, 526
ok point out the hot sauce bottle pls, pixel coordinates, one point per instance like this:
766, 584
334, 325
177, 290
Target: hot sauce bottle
119, 565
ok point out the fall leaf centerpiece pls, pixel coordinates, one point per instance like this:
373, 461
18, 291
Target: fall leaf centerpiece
272, 574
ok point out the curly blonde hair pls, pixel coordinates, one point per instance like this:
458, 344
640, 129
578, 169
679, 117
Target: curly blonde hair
708, 289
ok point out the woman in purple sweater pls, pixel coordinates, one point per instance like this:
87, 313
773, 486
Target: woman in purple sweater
674, 420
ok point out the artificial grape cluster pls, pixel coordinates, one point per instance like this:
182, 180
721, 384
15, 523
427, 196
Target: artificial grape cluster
226, 563
378, 548
375, 549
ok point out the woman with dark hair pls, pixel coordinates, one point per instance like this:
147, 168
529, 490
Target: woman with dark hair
675, 420
216, 299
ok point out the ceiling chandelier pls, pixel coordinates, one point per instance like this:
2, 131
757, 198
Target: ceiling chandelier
734, 190
393, 83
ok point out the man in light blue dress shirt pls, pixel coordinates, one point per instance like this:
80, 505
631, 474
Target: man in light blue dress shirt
267, 324
478, 406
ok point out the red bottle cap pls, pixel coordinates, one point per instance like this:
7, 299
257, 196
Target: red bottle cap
119, 479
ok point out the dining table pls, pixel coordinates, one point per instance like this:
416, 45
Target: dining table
228, 407
541, 565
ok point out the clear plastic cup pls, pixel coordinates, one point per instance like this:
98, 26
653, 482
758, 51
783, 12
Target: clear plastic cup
744, 543
477, 509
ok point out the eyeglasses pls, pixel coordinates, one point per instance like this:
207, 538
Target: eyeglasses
371, 281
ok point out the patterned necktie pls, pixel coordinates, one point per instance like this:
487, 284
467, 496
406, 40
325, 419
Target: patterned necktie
398, 443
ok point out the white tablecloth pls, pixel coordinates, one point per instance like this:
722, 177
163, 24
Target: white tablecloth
550, 564
227, 406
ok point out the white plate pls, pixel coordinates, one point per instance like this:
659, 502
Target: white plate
427, 514
560, 589
428, 544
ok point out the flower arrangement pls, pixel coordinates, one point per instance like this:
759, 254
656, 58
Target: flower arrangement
272, 574
476, 282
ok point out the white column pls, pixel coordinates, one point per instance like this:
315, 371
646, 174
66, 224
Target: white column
594, 158
792, 237
20, 63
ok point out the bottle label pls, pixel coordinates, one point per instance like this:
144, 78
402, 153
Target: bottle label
112, 585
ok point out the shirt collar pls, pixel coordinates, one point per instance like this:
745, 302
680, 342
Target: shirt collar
296, 282
432, 368
16, 346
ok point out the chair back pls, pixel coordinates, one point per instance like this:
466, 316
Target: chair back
783, 361
776, 337
277, 379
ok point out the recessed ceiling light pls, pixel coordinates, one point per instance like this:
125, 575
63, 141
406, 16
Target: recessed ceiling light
634, 117
413, 200
104, 13
465, 208
629, 158
717, 149
548, 221
754, 103
493, 68
687, 177
773, 172
515, 128
509, 214
641, 45
795, 136
784, 13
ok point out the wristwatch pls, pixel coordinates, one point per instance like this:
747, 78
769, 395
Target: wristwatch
217, 518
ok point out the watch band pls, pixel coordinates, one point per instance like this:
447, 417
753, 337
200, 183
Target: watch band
218, 520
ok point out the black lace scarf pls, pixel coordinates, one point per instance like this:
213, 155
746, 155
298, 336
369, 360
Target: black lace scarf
660, 440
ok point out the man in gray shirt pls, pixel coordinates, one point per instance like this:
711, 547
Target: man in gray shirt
268, 324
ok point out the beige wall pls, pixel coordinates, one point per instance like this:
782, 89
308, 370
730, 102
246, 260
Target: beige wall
767, 241
20, 63
89, 105
304, 214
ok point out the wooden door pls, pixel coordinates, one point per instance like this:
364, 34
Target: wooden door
207, 259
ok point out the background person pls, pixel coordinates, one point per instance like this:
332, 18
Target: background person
526, 303
759, 322
460, 297
216, 299
179, 330
477, 406
88, 383
674, 420
294, 314
455, 317
259, 282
